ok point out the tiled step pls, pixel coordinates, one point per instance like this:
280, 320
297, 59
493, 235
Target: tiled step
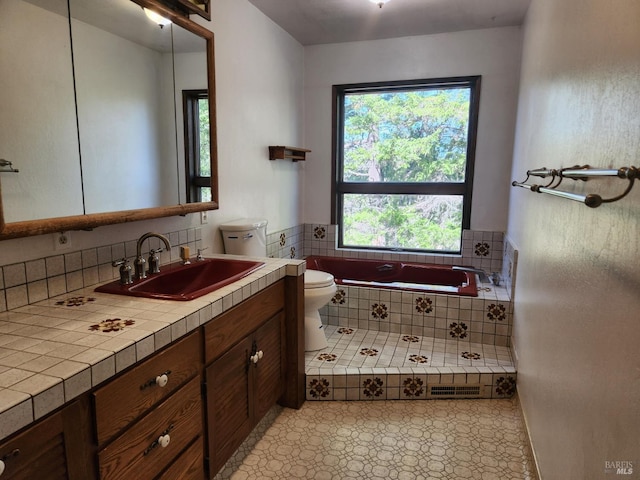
371, 365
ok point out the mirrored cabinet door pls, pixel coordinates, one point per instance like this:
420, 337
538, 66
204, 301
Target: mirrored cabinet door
38, 132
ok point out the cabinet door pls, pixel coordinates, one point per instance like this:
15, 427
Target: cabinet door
55, 448
268, 372
229, 409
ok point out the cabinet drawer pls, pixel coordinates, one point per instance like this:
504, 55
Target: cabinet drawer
232, 326
189, 466
127, 397
136, 453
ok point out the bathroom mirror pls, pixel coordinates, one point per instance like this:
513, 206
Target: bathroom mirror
129, 135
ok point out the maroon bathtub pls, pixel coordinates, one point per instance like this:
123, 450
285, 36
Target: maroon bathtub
414, 277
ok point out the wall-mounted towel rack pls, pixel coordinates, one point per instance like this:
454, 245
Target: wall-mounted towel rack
7, 163
579, 172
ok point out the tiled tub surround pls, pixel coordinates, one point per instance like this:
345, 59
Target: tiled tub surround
56, 349
479, 249
386, 344
482, 319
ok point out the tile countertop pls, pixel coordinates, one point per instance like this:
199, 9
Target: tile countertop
54, 350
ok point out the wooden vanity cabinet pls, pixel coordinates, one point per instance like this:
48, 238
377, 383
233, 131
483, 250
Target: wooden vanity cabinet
244, 351
56, 448
149, 420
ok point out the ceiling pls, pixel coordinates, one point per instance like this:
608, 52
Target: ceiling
313, 22
126, 19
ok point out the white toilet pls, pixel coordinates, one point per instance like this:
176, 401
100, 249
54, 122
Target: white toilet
247, 236
319, 287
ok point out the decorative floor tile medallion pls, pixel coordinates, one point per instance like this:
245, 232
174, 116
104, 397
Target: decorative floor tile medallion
505, 386
496, 312
410, 338
418, 359
458, 330
345, 331
482, 249
75, 301
339, 297
413, 387
369, 352
379, 310
319, 388
327, 357
424, 305
111, 325
471, 355
372, 387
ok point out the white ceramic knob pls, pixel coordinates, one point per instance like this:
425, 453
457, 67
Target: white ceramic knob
162, 380
254, 358
164, 440
1, 467
260, 354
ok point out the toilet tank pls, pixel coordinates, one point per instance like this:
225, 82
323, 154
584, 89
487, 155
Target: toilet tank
246, 236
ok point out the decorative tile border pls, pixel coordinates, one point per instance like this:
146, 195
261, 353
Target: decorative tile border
382, 386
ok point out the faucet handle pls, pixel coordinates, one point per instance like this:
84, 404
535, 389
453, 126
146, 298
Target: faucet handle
126, 277
122, 261
199, 256
154, 260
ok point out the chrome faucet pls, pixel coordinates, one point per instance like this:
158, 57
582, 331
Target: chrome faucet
154, 262
493, 278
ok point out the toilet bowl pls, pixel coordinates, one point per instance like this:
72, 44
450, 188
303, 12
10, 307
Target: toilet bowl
247, 236
319, 287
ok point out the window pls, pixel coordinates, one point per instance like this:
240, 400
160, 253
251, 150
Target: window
403, 167
197, 145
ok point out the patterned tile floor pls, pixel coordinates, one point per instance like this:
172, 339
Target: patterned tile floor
425, 440
357, 348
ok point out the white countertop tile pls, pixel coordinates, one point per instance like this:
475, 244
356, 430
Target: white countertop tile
49, 354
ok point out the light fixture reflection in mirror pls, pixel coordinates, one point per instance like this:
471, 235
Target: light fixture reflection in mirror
156, 17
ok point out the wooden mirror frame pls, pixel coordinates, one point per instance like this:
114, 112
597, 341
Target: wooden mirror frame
93, 220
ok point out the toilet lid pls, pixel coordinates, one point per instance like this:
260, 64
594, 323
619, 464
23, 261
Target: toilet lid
317, 279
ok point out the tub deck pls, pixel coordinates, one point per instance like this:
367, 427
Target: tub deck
396, 275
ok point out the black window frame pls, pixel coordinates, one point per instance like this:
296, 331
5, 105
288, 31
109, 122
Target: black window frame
339, 188
191, 119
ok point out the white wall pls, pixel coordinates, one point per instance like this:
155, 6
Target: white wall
259, 74
259, 71
492, 53
577, 295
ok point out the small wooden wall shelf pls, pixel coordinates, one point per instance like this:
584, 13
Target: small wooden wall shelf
294, 153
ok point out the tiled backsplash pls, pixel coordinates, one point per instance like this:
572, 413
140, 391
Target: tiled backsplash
479, 249
28, 282
288, 243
